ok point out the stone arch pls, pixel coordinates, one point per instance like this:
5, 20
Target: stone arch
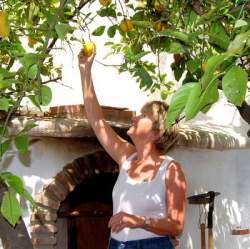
43, 226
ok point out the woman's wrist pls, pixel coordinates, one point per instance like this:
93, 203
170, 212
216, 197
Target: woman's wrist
143, 221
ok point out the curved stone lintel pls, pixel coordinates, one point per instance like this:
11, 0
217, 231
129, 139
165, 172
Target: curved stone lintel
202, 136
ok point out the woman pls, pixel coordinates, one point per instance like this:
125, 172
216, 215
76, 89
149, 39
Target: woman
149, 195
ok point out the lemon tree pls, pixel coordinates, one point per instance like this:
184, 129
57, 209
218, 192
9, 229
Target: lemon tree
209, 41
29, 30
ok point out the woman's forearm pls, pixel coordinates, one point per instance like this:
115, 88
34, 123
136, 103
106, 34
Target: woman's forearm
164, 227
91, 104
161, 226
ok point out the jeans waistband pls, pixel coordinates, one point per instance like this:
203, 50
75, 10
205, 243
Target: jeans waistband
140, 242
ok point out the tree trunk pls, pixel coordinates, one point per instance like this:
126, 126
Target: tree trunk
244, 111
13, 237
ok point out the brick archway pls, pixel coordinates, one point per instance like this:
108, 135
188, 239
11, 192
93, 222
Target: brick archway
43, 222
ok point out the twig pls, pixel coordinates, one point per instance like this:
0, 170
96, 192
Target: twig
52, 80
108, 65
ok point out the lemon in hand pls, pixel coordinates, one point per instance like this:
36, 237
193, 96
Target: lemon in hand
88, 48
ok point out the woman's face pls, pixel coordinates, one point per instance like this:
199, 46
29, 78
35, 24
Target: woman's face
142, 125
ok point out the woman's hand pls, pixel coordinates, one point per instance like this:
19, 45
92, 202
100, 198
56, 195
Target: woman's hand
122, 220
85, 62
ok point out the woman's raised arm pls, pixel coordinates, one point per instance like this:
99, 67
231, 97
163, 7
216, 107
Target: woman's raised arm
118, 148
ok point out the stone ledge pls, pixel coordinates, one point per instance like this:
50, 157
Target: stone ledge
202, 136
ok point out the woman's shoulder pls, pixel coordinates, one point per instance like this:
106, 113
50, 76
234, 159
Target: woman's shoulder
175, 169
126, 159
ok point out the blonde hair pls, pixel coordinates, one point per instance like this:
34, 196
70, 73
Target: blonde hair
168, 138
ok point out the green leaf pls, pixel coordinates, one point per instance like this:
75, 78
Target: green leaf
6, 83
239, 23
34, 100
21, 142
184, 37
99, 31
112, 30
193, 65
50, 17
16, 183
4, 104
28, 197
209, 96
32, 73
13, 181
178, 103
237, 45
190, 18
176, 48
142, 24
146, 80
10, 208
164, 94
192, 105
4, 146
218, 36
62, 29
109, 11
46, 96
211, 65
28, 60
138, 56
234, 85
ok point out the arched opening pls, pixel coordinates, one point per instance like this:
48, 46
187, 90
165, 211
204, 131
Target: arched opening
76, 205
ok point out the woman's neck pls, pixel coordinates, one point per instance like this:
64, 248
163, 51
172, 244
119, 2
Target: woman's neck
147, 152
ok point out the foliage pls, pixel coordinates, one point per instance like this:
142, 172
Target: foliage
209, 40
28, 33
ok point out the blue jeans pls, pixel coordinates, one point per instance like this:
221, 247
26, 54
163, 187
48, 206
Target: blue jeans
150, 243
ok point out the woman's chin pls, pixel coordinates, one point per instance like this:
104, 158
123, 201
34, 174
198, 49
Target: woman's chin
130, 131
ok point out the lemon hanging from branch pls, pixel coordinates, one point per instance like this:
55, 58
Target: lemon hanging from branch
105, 2
126, 25
4, 24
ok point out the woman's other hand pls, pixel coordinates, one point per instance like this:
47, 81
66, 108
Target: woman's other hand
121, 220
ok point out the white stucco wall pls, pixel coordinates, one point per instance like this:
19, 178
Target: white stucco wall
226, 172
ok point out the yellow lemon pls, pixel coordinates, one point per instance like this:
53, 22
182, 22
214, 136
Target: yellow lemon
31, 41
105, 2
126, 25
88, 48
4, 59
158, 6
4, 24
158, 26
203, 67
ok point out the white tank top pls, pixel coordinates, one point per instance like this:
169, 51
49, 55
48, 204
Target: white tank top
139, 198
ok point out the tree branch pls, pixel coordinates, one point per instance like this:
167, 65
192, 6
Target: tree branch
236, 9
